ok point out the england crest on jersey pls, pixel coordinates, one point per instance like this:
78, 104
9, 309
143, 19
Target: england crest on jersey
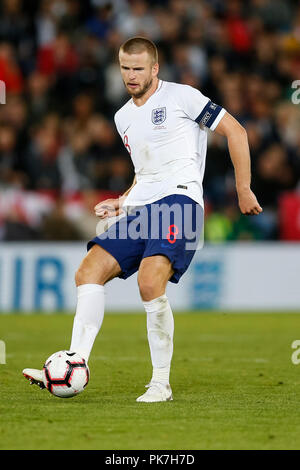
159, 115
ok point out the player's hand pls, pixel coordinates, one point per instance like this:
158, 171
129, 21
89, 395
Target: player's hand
108, 208
248, 202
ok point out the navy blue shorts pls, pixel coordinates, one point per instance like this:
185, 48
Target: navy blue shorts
171, 226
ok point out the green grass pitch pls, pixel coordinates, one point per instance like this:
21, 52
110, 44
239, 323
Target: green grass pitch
234, 385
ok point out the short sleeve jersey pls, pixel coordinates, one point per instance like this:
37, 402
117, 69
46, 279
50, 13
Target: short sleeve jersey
167, 142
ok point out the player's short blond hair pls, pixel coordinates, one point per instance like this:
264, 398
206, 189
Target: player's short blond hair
138, 44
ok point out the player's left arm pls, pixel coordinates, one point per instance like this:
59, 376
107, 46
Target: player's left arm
239, 152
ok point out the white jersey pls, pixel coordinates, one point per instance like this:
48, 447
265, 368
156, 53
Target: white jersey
166, 143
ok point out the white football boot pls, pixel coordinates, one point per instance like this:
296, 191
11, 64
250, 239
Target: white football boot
156, 392
35, 377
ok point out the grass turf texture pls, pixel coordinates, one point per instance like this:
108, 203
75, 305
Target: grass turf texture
233, 381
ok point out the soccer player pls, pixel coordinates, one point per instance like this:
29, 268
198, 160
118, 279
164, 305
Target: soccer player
164, 128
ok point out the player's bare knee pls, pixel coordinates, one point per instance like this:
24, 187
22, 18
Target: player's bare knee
147, 292
98, 271
99, 275
81, 276
149, 288
88, 273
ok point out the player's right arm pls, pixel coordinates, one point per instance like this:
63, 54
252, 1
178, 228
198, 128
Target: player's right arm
112, 207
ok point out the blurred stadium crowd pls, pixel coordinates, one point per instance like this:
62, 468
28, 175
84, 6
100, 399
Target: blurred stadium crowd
59, 151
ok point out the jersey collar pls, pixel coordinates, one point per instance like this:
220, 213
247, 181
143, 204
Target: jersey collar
159, 87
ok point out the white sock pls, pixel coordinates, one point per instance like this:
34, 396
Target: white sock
160, 327
88, 318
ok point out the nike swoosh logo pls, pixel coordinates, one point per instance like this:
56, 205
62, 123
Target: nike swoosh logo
126, 129
163, 245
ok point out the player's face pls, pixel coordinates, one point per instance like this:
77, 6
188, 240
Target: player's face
138, 72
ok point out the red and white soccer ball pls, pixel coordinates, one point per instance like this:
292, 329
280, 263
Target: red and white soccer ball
65, 374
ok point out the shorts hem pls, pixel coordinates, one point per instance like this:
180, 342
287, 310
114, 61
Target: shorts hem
177, 273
